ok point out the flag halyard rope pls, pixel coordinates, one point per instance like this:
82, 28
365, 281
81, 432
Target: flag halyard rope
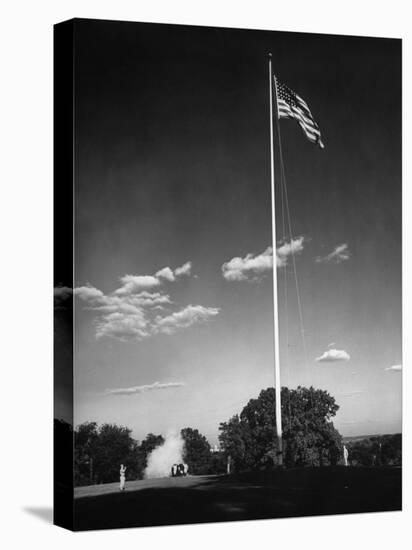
289, 225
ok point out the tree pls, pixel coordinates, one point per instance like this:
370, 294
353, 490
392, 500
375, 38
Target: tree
382, 450
309, 436
233, 440
197, 453
85, 439
391, 450
100, 451
113, 447
150, 443
218, 463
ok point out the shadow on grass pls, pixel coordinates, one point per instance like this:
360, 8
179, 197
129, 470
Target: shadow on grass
256, 495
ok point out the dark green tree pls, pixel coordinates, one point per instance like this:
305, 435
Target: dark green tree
382, 450
218, 463
233, 438
100, 451
391, 450
114, 446
197, 453
310, 438
85, 439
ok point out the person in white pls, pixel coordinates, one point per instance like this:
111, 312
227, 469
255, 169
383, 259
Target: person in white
345, 455
122, 477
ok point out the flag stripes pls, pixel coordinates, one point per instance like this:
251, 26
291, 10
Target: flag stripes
290, 105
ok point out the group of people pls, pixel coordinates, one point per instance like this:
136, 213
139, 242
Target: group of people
179, 470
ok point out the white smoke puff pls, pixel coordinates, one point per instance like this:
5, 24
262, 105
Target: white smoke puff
162, 458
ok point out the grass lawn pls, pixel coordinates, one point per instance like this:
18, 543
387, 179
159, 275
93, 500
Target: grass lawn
255, 495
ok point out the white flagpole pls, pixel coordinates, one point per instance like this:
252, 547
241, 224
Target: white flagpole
275, 275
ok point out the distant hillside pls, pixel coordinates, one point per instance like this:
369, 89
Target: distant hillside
368, 436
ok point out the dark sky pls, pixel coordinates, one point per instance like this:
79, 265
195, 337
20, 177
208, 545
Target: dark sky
172, 165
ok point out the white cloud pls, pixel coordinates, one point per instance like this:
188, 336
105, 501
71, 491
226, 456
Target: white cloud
295, 246
339, 254
332, 355
331, 344
249, 267
254, 267
149, 299
167, 274
135, 283
184, 269
394, 368
130, 303
123, 326
145, 388
135, 311
88, 293
184, 318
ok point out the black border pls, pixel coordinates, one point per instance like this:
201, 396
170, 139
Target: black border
63, 173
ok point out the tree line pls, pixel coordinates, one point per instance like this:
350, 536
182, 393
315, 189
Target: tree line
247, 441
99, 450
378, 450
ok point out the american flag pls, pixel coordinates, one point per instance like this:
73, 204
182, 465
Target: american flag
290, 105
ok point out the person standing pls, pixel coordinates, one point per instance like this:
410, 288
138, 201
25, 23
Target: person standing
345, 455
122, 477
